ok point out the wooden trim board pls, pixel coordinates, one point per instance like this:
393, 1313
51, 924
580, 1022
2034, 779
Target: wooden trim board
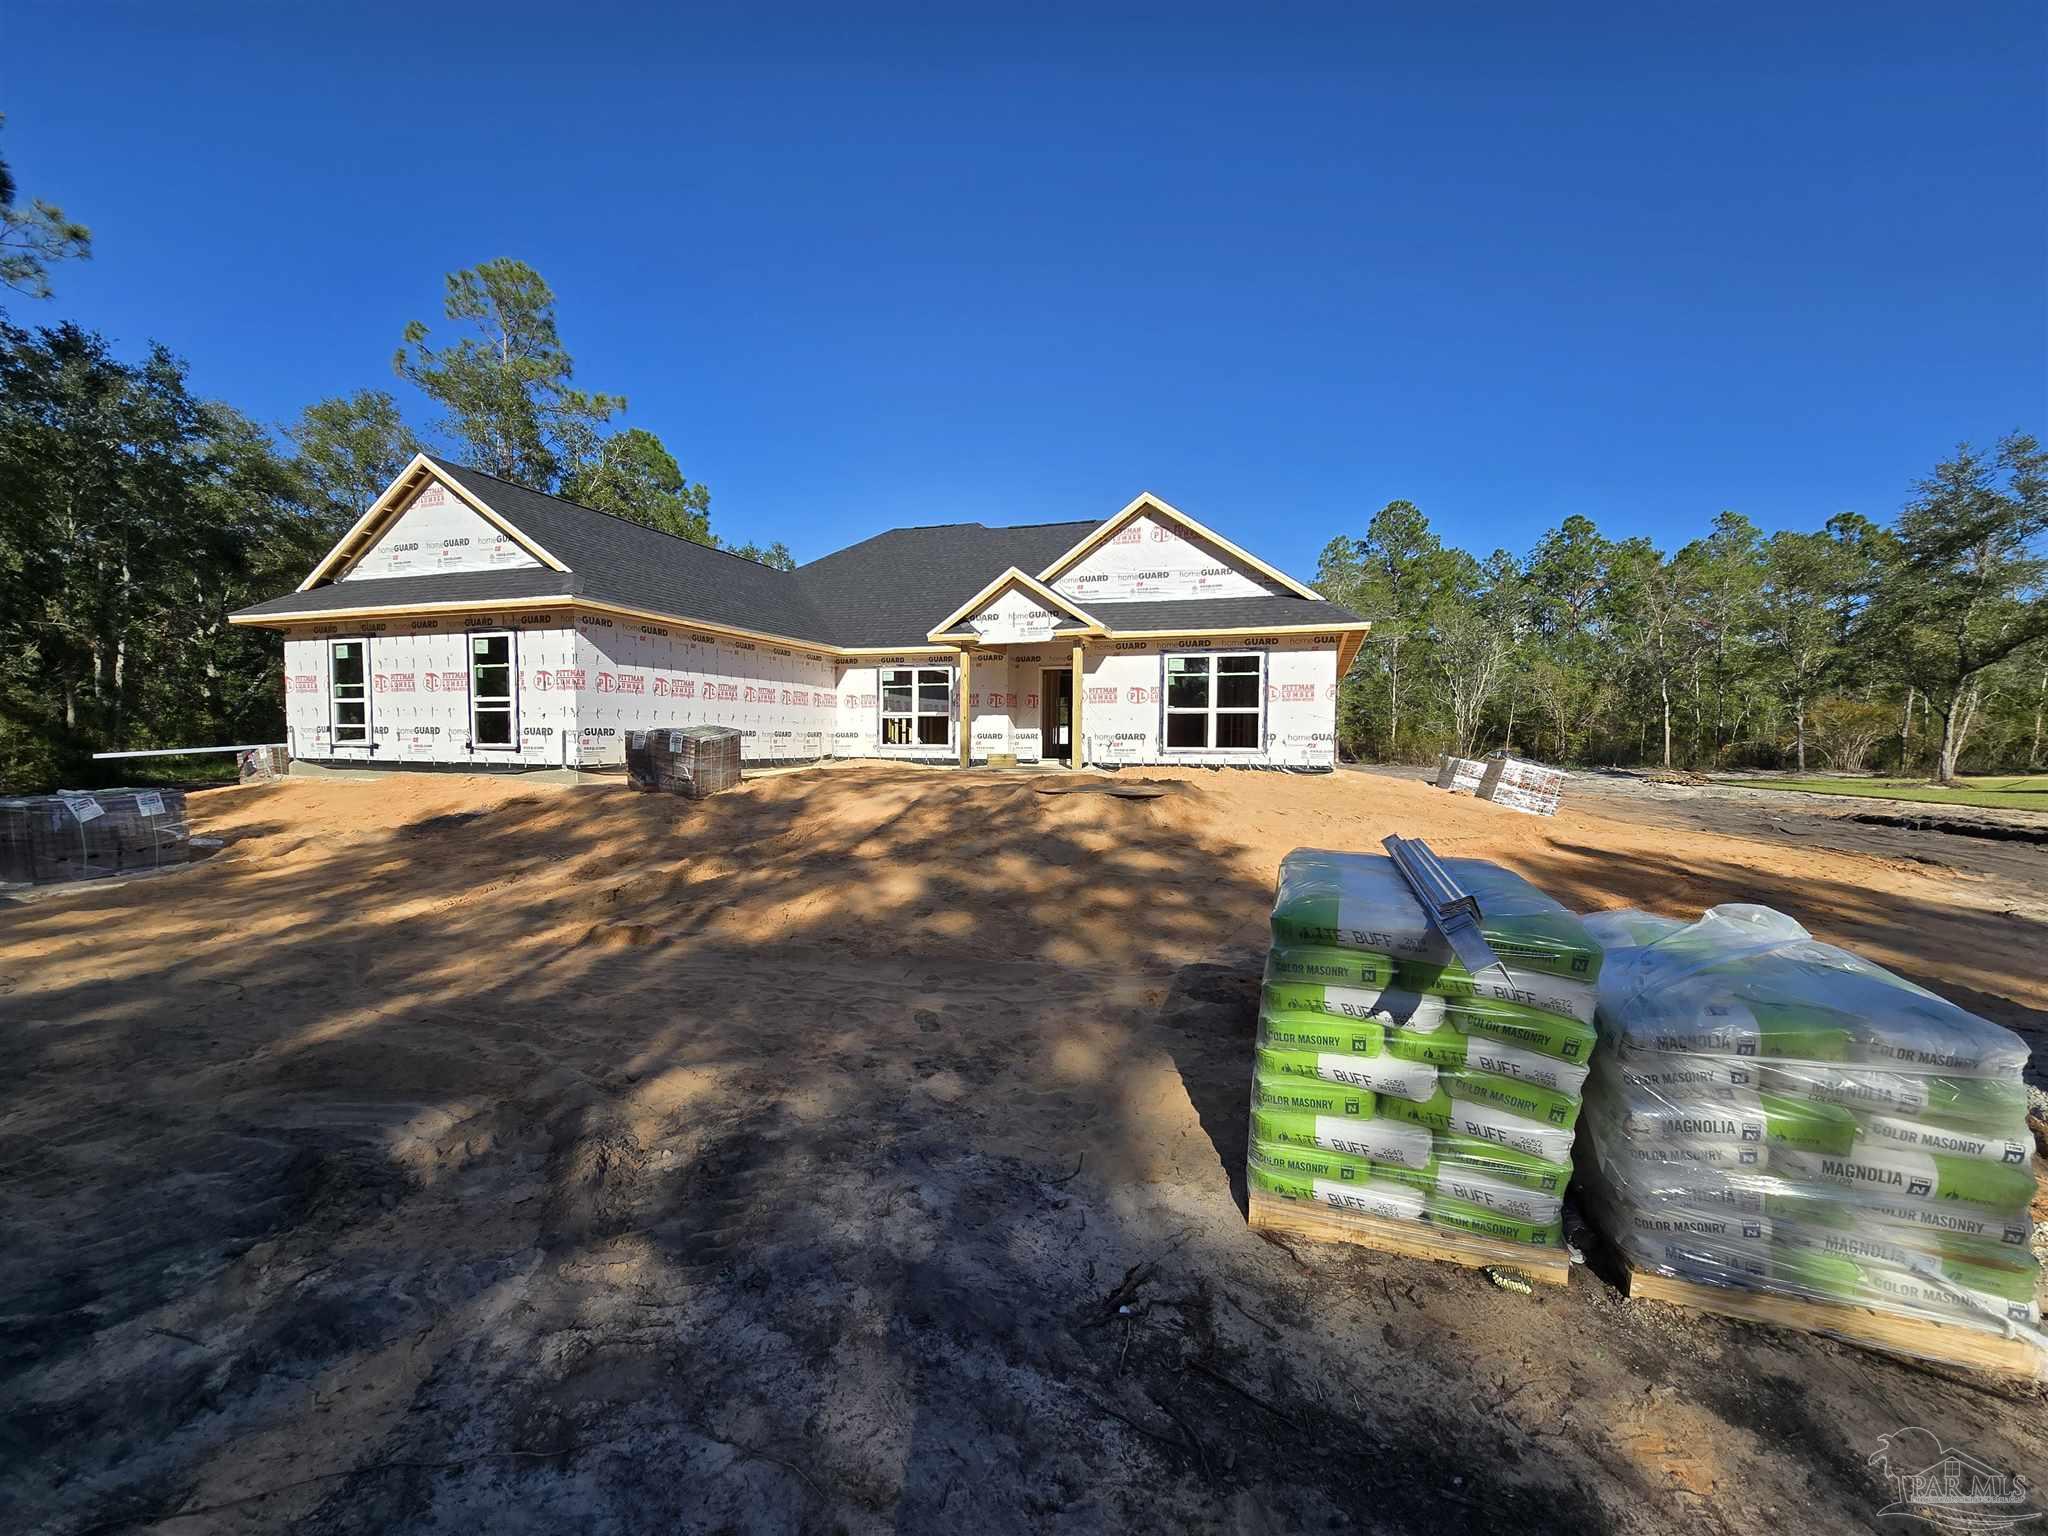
966, 665
1971, 1348
1297, 1218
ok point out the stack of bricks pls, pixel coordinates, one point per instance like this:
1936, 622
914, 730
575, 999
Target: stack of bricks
1521, 786
693, 761
73, 836
1460, 774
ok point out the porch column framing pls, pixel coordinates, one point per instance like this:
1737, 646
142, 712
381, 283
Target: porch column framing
1078, 756
966, 715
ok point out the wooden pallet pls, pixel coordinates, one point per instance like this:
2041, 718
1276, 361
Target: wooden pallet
1298, 1218
1971, 1348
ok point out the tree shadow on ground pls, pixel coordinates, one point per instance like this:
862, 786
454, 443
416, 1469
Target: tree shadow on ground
840, 1153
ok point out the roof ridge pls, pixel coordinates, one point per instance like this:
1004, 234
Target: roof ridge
1057, 522
471, 469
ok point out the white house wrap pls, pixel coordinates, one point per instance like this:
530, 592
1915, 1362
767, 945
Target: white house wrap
466, 620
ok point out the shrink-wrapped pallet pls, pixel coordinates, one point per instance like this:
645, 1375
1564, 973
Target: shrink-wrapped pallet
1397, 1091
1776, 1115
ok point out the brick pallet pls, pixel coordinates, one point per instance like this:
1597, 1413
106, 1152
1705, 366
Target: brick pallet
47, 838
692, 760
1520, 786
1462, 774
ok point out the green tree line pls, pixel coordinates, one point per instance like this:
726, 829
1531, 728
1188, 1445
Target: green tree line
1919, 646
135, 515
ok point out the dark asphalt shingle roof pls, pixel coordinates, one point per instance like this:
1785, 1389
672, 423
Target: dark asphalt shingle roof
889, 590
1219, 613
429, 587
624, 562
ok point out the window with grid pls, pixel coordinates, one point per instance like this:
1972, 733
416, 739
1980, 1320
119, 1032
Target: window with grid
1214, 703
348, 691
491, 704
917, 707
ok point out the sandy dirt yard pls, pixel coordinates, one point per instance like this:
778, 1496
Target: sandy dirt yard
858, 1151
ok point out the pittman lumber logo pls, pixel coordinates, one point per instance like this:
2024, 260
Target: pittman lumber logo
1948, 1488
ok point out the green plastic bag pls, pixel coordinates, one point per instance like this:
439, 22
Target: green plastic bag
1844, 1228
1483, 1122
1566, 997
1899, 1134
1478, 1221
1451, 1180
1383, 1076
1325, 965
1360, 901
1747, 981
1526, 1100
1993, 1187
1732, 1115
1323, 1032
1440, 1038
1376, 1140
1385, 1202
1308, 1093
1499, 1162
1409, 1155
1996, 1106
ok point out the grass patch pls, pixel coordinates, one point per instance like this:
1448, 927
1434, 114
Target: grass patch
2024, 792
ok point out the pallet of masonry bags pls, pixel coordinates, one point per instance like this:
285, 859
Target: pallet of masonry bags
1779, 1130
1402, 1103
691, 760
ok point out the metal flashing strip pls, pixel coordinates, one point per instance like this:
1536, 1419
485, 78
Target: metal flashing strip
1452, 911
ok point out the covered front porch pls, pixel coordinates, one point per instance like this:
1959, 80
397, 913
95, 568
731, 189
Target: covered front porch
1021, 704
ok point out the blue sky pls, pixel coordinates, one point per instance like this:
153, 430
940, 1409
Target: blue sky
871, 265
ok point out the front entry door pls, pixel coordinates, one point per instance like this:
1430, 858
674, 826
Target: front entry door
1056, 715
